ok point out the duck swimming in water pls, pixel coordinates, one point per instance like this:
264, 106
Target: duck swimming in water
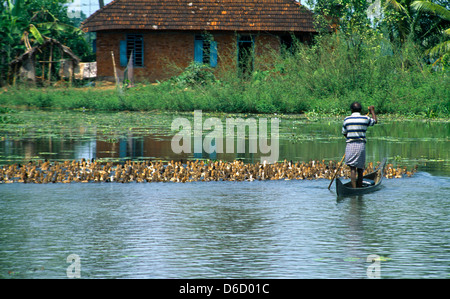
156, 171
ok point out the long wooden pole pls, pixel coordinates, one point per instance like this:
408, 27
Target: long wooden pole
339, 167
115, 71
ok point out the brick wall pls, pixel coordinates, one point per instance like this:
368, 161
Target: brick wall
107, 42
167, 54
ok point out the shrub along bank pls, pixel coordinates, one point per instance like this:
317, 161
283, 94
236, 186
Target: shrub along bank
324, 78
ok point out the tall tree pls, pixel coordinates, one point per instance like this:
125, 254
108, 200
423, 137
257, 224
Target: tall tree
347, 16
442, 49
399, 19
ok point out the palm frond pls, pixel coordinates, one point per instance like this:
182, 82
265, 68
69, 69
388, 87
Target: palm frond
397, 6
439, 50
433, 8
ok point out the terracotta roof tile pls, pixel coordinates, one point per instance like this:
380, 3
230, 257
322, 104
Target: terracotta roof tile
235, 15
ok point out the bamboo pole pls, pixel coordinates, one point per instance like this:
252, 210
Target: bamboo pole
115, 71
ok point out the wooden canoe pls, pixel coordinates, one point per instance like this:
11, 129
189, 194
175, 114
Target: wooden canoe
371, 182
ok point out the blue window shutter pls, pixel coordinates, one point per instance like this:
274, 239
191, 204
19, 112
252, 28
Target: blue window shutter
213, 54
198, 51
122, 148
123, 53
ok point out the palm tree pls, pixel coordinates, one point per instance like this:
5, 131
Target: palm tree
442, 48
405, 20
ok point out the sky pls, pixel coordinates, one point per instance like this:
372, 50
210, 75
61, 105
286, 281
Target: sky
87, 6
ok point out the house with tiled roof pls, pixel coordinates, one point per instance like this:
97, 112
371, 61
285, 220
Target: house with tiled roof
167, 35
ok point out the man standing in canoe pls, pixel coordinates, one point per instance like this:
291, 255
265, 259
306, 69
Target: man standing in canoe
354, 129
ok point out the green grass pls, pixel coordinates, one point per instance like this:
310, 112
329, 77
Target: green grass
314, 80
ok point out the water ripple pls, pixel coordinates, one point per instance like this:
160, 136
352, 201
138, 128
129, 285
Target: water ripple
281, 229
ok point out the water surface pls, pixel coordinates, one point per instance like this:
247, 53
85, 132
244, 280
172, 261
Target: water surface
285, 229
259, 229
62, 135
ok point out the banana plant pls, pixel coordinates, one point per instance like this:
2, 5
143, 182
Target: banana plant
11, 24
10, 20
55, 26
37, 35
25, 23
442, 49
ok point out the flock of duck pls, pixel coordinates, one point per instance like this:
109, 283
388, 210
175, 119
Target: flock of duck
86, 171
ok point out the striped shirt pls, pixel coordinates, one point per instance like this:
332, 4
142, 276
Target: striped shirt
355, 126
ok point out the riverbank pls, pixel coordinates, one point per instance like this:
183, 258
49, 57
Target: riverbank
312, 80
27, 117
246, 97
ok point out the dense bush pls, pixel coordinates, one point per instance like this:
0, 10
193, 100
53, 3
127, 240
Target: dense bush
324, 78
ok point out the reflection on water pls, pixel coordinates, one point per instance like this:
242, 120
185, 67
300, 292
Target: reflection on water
259, 229
406, 142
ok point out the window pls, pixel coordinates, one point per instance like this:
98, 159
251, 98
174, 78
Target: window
288, 44
205, 51
133, 45
246, 54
